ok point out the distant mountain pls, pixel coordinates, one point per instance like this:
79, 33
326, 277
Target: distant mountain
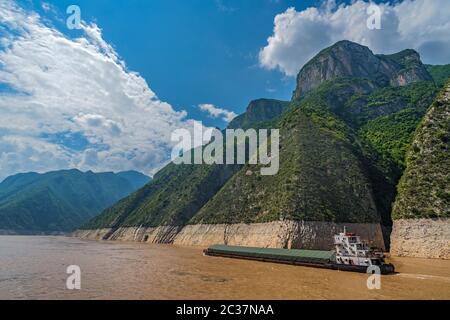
136, 179
343, 141
62, 200
440, 73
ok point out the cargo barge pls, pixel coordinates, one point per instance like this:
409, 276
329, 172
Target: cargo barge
350, 254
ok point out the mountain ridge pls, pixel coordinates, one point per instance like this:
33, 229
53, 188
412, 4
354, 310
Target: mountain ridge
60, 201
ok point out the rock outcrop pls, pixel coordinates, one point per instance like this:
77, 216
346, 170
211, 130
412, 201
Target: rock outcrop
261, 110
349, 59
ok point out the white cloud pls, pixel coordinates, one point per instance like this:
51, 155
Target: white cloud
80, 86
217, 112
96, 121
298, 35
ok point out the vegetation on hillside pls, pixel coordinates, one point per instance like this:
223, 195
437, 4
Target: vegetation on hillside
179, 191
172, 198
390, 117
424, 189
440, 74
61, 200
322, 178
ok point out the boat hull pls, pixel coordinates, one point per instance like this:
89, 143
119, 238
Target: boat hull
385, 269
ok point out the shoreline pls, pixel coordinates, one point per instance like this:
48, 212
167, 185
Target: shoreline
8, 232
287, 234
423, 238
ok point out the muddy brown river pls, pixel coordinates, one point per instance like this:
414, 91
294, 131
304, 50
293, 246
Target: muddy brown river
35, 268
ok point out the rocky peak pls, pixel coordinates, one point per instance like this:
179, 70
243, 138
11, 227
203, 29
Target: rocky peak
349, 59
259, 111
408, 67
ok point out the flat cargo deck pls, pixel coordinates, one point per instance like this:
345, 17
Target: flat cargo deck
294, 256
309, 258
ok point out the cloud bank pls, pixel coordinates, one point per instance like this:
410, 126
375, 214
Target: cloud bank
422, 25
216, 112
72, 103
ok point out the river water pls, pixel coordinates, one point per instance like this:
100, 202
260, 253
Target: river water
35, 268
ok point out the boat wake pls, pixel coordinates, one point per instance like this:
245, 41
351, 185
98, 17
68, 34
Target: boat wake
423, 277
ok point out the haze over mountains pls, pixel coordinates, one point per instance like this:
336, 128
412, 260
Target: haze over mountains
344, 138
60, 201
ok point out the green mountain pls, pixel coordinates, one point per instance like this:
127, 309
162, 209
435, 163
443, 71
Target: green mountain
424, 190
61, 200
323, 177
440, 74
178, 192
134, 178
343, 140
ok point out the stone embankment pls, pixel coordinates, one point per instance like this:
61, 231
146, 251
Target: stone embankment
279, 234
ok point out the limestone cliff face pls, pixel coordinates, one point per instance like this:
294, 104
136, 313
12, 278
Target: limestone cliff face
349, 59
421, 238
278, 234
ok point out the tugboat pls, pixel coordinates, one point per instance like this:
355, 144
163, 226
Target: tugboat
355, 255
350, 254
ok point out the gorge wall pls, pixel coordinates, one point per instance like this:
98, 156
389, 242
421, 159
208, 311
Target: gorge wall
278, 234
421, 238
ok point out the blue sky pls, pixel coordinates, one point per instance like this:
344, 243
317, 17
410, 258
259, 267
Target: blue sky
107, 97
194, 52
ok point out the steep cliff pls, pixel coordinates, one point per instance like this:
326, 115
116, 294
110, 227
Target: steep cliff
349, 59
